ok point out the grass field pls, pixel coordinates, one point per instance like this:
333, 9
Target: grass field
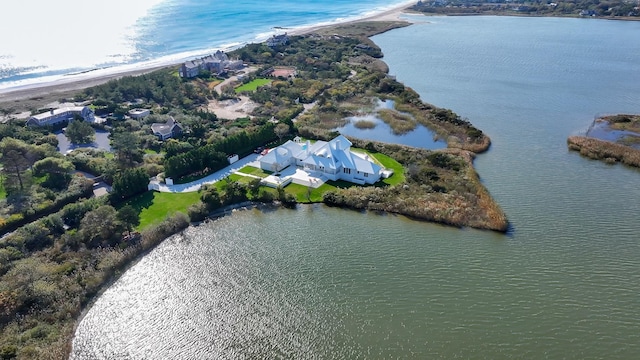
255, 171
155, 206
3, 192
389, 163
252, 86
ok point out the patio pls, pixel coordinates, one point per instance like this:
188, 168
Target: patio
295, 175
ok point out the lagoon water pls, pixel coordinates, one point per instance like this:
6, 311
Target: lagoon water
320, 283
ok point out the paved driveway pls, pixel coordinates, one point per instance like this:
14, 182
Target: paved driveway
216, 176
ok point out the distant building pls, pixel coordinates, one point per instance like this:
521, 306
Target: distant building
56, 116
139, 113
215, 63
278, 40
164, 131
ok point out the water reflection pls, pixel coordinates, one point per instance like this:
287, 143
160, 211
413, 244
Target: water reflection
421, 137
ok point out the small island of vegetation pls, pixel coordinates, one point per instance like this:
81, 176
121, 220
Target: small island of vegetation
611, 139
63, 241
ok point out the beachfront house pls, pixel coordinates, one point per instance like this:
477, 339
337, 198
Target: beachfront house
215, 63
278, 40
167, 130
59, 115
333, 160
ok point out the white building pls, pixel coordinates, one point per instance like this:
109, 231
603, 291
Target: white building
215, 63
333, 159
139, 113
62, 114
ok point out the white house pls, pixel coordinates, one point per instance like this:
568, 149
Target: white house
139, 113
277, 40
333, 159
215, 63
62, 114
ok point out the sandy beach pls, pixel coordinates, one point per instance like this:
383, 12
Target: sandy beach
28, 96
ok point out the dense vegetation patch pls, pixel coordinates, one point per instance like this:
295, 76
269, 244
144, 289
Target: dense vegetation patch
583, 8
604, 150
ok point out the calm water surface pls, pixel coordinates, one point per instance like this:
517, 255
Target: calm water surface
421, 136
327, 283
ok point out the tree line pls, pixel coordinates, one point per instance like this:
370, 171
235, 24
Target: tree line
213, 157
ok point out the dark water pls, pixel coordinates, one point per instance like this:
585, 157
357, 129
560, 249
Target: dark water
322, 283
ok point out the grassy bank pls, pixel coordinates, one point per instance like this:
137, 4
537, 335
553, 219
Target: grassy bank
437, 186
155, 206
604, 150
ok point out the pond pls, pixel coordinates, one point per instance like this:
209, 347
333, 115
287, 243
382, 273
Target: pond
421, 137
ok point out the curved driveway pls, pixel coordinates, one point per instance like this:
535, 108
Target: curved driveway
210, 179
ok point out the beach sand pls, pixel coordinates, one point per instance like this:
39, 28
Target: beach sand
20, 99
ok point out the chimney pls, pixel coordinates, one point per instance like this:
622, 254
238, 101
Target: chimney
308, 147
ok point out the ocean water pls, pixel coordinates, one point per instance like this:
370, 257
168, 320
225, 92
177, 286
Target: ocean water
326, 283
49, 40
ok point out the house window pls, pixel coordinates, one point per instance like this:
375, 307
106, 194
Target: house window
347, 171
366, 175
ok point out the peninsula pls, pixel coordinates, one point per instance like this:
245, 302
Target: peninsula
64, 241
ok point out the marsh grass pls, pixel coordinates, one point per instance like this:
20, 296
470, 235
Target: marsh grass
400, 123
364, 124
630, 140
604, 150
623, 122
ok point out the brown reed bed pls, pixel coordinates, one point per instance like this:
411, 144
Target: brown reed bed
604, 150
400, 123
364, 124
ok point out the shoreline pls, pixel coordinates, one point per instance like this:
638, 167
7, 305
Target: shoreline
89, 78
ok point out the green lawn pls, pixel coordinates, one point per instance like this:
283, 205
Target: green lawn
390, 163
156, 206
253, 85
3, 192
302, 195
255, 171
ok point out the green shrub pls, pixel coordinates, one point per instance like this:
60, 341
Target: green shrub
197, 212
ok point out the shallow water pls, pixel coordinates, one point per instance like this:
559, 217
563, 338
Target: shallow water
421, 136
603, 131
